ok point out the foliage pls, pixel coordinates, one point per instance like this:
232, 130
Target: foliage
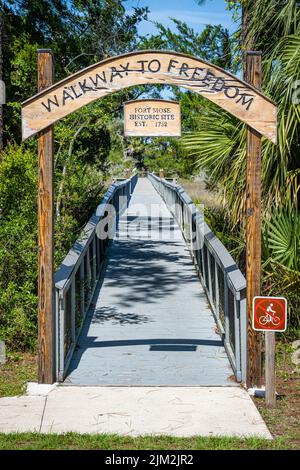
213, 43
71, 30
87, 144
279, 280
283, 237
219, 144
18, 247
220, 138
219, 150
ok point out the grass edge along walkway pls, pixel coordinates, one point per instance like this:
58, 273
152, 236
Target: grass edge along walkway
74, 441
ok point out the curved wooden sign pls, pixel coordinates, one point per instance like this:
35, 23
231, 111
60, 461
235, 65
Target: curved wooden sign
150, 67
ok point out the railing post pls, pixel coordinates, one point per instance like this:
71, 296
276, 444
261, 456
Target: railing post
226, 306
57, 333
88, 275
94, 259
217, 306
244, 338
203, 274
237, 345
73, 312
82, 293
62, 309
209, 275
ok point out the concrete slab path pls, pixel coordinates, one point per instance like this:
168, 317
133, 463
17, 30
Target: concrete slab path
150, 322
174, 411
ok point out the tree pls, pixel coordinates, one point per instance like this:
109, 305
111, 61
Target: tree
219, 145
1, 78
87, 146
213, 44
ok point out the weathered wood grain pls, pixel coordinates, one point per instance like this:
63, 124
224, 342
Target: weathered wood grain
253, 207
150, 67
45, 234
150, 118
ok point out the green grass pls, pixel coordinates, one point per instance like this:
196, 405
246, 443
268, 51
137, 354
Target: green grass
19, 369
74, 441
283, 421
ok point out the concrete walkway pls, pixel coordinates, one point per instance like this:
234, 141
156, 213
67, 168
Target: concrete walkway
174, 411
150, 323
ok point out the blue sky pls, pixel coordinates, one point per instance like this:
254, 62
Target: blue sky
211, 12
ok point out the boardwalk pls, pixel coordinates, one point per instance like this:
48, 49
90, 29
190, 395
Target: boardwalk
150, 323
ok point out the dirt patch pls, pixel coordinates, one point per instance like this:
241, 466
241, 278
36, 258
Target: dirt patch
283, 421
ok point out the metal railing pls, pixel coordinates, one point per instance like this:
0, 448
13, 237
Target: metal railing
77, 276
223, 282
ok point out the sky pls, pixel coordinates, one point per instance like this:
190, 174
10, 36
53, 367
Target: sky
196, 16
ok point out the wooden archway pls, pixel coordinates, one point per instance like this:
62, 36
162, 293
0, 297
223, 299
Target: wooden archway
150, 67
55, 101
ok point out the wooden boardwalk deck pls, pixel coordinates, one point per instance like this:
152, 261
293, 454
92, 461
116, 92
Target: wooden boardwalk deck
150, 323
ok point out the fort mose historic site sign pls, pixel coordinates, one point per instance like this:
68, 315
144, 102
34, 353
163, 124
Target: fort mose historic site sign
150, 118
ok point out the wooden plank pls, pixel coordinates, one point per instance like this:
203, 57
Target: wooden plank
150, 269
270, 369
150, 67
150, 118
253, 207
46, 373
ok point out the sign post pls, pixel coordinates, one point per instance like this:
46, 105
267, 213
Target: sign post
269, 314
46, 339
270, 369
253, 208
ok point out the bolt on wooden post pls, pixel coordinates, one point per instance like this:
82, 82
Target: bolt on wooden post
253, 210
46, 338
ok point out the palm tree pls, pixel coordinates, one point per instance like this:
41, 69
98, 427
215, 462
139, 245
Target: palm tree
219, 147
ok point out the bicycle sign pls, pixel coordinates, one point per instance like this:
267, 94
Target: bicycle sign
269, 314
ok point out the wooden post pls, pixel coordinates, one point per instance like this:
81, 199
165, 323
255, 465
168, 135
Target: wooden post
46, 325
161, 173
270, 369
253, 208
